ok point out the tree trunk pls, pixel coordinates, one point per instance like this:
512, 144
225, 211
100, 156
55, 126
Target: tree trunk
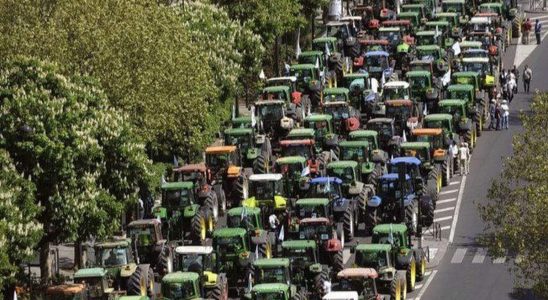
313, 24
78, 261
277, 56
45, 263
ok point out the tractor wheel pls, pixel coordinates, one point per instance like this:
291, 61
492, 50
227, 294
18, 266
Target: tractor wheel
239, 191
339, 69
479, 119
265, 250
412, 216
323, 160
260, 164
374, 176
421, 267
355, 50
348, 223
137, 282
220, 290
445, 171
165, 263
427, 211
338, 262
212, 204
432, 187
150, 284
221, 199
411, 275
469, 138
371, 219
300, 295
403, 286
319, 281
266, 148
316, 98
396, 287
362, 198
199, 226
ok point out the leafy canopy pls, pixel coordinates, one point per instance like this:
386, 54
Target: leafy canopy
515, 216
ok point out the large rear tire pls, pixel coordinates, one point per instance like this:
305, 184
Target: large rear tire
427, 211
137, 282
212, 204
165, 263
319, 285
265, 250
220, 290
199, 226
396, 287
338, 262
348, 223
411, 216
371, 219
446, 176
260, 164
410, 275
373, 178
239, 191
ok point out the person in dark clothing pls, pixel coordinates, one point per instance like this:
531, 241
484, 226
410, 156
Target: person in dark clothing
498, 115
516, 73
538, 26
527, 76
503, 76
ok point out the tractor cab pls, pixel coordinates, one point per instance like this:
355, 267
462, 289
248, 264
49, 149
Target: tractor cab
388, 139
279, 92
272, 270
293, 170
428, 37
482, 66
368, 45
391, 34
378, 64
362, 280
394, 90
336, 103
272, 116
307, 208
196, 259
320, 230
358, 151
419, 150
465, 92
419, 8
431, 51
327, 45
433, 136
444, 29
370, 136
379, 258
305, 148
222, 161
413, 166
312, 58
405, 114
322, 126
456, 6
308, 76
423, 88
195, 173
475, 53
412, 16
150, 245
266, 190
443, 121
248, 218
230, 244
95, 283
246, 140
181, 285
480, 24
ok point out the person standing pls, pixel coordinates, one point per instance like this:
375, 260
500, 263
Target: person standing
505, 114
492, 110
454, 151
516, 74
463, 158
526, 30
538, 26
527, 76
503, 77
498, 115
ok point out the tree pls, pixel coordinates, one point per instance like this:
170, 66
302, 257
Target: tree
515, 215
82, 156
19, 229
154, 62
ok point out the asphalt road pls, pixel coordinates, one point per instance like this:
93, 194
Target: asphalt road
465, 271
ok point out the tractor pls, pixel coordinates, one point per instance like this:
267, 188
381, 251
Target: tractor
464, 119
389, 141
267, 193
429, 37
255, 149
453, 19
405, 113
363, 281
391, 34
150, 246
438, 56
225, 172
333, 56
236, 251
420, 8
412, 16
345, 34
363, 93
189, 285
488, 72
404, 255
443, 28
370, 166
310, 81
378, 65
379, 257
322, 125
433, 169
438, 150
205, 193
273, 277
477, 97
116, 269
294, 173
202, 260
252, 220
459, 7
273, 118
445, 122
336, 102
182, 218
394, 90
306, 148
425, 89
329, 239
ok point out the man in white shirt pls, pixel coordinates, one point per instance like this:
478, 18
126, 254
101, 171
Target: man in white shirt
454, 151
463, 158
505, 114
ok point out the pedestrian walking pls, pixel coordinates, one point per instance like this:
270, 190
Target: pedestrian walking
527, 77
492, 110
510, 89
538, 26
464, 154
505, 114
503, 77
527, 30
498, 115
516, 74
454, 151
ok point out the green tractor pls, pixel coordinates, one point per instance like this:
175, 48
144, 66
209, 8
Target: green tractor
151, 247
202, 260
116, 269
255, 149
445, 122
273, 118
296, 107
252, 220
360, 151
322, 125
438, 150
478, 95
438, 56
403, 254
188, 285
182, 218
388, 140
379, 257
224, 172
316, 160
336, 102
464, 119
446, 39
267, 193
363, 93
295, 176
236, 251
433, 168
310, 81
459, 7
425, 88
333, 56
273, 278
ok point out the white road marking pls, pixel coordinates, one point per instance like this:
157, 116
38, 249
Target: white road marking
444, 209
446, 200
443, 218
458, 256
480, 256
445, 228
457, 208
418, 286
454, 182
431, 253
500, 260
430, 278
427, 273
346, 255
449, 192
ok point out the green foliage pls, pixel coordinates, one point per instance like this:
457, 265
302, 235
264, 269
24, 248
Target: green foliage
173, 72
515, 216
19, 229
81, 154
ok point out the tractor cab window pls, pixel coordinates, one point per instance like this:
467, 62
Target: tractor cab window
377, 61
395, 93
142, 236
291, 169
371, 259
298, 150
263, 189
229, 245
350, 285
271, 275
452, 110
192, 263
400, 112
311, 212
304, 75
270, 296
324, 190
392, 36
314, 232
177, 198
243, 141
476, 67
418, 83
183, 290
389, 189
391, 239
334, 98
353, 153
299, 258
270, 112
339, 112
217, 161
346, 174
242, 221
113, 257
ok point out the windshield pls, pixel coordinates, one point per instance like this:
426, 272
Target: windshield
271, 275
176, 198
262, 190
389, 189
454, 110
270, 112
243, 141
334, 98
418, 83
371, 259
436, 124
297, 150
384, 129
452, 7
308, 59
243, 221
401, 112
339, 112
346, 174
462, 95
324, 190
217, 161
228, 246
379, 62
290, 169
476, 67
353, 153
428, 55
303, 75
191, 263
392, 36
183, 290
422, 154
395, 93
110, 257
269, 296
426, 40
311, 211
314, 232
142, 236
